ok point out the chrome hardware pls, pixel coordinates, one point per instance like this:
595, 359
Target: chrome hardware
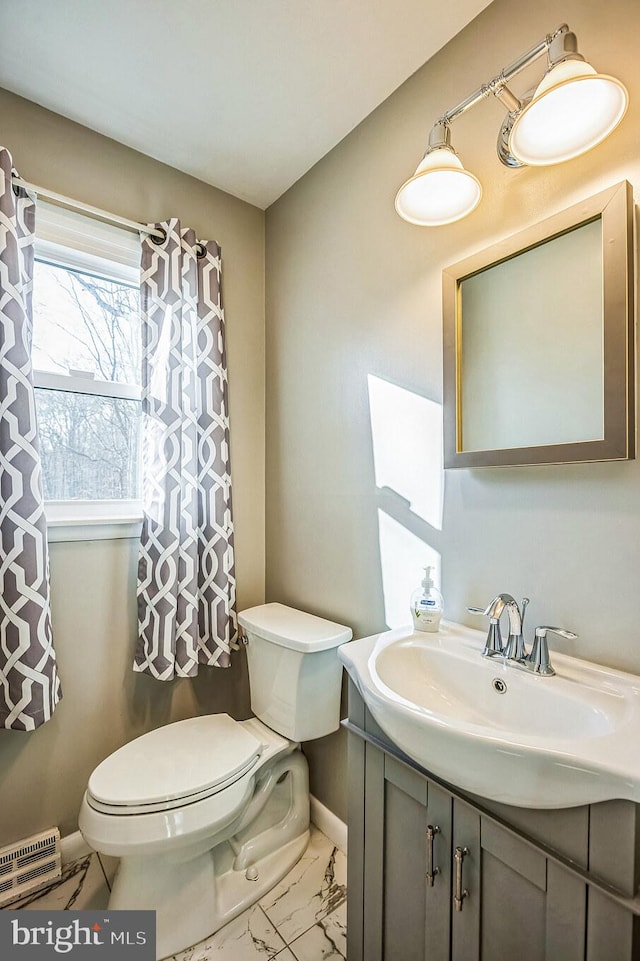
538, 661
243, 640
431, 870
499, 685
514, 649
493, 644
460, 893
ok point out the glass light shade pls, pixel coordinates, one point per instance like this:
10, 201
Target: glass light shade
440, 192
573, 109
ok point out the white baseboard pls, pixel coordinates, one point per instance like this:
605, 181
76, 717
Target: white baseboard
73, 847
329, 823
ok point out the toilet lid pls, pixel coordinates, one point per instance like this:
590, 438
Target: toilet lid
176, 761
294, 629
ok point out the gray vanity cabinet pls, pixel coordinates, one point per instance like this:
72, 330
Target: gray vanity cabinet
515, 902
513, 905
406, 914
530, 886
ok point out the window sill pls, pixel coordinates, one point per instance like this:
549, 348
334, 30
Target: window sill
92, 520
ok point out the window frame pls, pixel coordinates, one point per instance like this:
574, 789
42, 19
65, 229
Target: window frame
74, 241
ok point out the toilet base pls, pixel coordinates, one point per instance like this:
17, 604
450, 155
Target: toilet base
199, 900
194, 892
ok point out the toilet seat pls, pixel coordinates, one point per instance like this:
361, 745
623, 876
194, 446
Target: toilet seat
173, 766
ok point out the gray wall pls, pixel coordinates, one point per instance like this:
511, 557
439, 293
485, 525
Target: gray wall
43, 774
354, 305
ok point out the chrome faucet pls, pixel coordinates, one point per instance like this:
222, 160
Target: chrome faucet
537, 661
514, 649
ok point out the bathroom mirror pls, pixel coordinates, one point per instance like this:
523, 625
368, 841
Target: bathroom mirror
538, 342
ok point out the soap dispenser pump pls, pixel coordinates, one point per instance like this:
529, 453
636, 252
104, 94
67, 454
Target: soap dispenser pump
427, 605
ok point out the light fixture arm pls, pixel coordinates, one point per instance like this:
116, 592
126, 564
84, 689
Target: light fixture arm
498, 85
439, 137
506, 97
563, 46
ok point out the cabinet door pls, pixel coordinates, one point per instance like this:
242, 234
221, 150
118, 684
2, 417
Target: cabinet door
406, 916
512, 901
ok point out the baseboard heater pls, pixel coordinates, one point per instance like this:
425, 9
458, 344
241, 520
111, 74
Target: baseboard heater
28, 865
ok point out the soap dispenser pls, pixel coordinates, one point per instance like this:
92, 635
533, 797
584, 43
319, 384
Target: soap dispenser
427, 605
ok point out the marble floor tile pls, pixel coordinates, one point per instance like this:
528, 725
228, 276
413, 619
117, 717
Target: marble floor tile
326, 940
314, 888
249, 937
82, 887
109, 866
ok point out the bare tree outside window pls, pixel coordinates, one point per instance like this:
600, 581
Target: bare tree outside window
89, 327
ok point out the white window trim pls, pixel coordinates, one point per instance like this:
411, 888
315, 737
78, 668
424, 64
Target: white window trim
92, 520
76, 383
68, 239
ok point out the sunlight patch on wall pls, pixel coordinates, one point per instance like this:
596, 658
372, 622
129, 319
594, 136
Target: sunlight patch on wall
406, 431
402, 557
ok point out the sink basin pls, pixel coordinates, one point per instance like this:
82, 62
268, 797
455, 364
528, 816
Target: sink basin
495, 730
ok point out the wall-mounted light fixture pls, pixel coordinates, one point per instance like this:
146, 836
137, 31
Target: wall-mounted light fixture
572, 109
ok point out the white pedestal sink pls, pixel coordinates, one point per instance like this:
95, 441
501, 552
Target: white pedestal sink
497, 731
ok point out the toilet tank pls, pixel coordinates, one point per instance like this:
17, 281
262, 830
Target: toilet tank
294, 671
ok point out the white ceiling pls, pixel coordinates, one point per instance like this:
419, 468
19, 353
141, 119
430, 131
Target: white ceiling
243, 94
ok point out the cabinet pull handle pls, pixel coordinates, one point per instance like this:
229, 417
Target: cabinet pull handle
431, 870
460, 893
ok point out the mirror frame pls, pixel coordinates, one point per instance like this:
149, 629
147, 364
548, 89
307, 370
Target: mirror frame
614, 207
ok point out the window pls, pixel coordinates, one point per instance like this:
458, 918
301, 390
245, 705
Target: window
86, 360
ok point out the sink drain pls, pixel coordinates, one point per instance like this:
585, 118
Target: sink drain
499, 685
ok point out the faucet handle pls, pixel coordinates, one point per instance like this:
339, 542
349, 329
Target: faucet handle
494, 608
493, 644
538, 661
560, 631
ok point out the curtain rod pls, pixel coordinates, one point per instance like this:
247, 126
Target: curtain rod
88, 209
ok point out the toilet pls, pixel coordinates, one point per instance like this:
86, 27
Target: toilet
208, 814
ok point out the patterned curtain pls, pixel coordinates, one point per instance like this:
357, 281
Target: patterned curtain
186, 574
29, 683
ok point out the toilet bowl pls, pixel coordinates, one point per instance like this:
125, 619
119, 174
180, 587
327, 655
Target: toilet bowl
209, 813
